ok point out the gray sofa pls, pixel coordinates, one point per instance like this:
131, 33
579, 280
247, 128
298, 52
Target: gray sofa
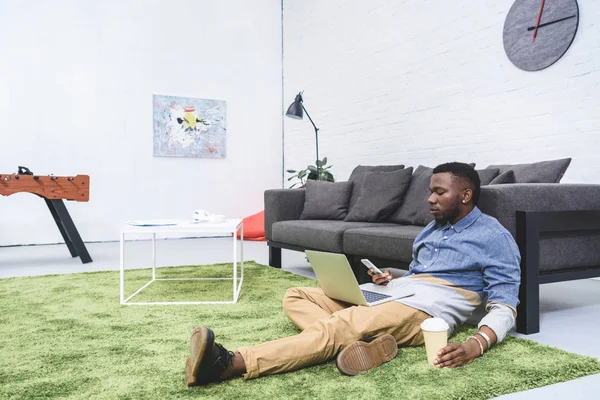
557, 228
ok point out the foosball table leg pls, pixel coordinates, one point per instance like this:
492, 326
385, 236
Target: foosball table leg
68, 230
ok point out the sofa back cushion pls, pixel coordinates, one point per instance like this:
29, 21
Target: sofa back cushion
326, 200
415, 209
540, 172
505, 177
487, 175
381, 194
358, 176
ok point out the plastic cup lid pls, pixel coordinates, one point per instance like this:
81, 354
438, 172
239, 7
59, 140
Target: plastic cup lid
434, 325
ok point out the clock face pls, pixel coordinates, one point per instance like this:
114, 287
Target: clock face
538, 32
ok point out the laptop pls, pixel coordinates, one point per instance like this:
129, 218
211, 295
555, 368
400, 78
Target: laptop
338, 282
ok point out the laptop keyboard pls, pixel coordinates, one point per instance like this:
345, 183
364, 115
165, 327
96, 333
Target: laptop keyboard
372, 297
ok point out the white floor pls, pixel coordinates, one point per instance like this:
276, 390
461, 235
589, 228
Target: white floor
570, 317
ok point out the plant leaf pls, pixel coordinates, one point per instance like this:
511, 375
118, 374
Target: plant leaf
324, 161
312, 168
292, 171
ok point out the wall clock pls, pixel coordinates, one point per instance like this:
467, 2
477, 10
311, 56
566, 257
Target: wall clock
537, 33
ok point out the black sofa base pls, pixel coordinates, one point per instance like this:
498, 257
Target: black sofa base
530, 224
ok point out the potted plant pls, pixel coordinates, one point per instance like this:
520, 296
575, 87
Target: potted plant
317, 172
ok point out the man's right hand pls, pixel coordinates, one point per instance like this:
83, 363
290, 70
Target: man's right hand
380, 279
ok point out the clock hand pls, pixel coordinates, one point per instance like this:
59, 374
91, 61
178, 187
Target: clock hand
550, 23
537, 24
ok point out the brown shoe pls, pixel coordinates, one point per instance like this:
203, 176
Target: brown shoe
208, 360
361, 356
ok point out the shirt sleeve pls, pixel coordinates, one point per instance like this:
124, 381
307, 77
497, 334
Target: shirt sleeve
500, 318
502, 272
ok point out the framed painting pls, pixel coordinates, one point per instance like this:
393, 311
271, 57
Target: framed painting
189, 127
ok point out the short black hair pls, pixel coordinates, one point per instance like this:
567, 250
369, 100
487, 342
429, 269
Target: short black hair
465, 172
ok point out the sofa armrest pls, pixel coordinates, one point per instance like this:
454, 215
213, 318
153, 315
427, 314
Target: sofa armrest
282, 205
503, 201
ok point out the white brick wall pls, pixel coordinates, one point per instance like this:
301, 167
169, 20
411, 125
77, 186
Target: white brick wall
424, 82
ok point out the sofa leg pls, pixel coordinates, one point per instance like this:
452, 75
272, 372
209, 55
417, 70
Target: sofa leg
528, 310
275, 257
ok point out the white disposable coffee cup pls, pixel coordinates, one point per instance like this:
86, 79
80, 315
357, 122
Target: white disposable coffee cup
435, 333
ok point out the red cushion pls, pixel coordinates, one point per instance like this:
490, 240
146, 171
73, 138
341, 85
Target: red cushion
254, 227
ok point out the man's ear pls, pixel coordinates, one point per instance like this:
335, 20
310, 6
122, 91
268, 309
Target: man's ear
467, 195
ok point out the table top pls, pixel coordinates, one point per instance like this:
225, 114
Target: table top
182, 225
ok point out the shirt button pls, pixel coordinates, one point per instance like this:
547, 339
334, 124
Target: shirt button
436, 249
445, 237
425, 266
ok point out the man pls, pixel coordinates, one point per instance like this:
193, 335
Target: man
459, 259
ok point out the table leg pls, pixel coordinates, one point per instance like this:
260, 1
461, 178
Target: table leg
153, 256
122, 268
235, 292
241, 256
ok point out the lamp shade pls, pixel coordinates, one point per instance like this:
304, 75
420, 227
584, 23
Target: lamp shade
295, 109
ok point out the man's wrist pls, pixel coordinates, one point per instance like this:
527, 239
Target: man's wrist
486, 338
476, 346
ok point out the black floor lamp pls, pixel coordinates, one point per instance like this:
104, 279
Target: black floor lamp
296, 110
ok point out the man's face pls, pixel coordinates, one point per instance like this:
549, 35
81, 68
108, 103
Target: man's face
446, 196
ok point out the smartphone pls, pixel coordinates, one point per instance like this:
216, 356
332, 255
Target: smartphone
370, 265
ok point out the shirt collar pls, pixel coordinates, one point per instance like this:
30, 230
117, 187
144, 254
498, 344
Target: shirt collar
466, 221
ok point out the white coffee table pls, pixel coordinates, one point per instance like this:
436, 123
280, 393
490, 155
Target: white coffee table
230, 226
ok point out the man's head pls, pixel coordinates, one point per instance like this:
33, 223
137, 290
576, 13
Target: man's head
455, 189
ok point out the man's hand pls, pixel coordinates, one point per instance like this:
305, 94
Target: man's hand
457, 354
381, 279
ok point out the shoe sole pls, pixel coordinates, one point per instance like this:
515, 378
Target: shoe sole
202, 339
361, 357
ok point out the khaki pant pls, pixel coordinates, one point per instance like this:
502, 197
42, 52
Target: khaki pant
327, 327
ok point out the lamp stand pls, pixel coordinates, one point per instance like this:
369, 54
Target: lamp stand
316, 140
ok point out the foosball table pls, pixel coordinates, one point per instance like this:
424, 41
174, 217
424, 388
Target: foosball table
54, 189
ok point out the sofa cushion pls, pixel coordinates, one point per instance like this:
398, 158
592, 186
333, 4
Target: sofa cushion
358, 175
540, 172
487, 175
326, 200
381, 193
414, 209
505, 177
317, 235
566, 250
386, 242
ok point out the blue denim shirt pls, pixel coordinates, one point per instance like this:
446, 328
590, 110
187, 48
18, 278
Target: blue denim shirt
477, 253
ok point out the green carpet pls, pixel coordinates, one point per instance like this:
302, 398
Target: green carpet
67, 336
